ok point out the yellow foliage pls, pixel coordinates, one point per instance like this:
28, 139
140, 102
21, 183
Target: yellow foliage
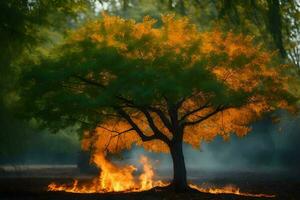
181, 38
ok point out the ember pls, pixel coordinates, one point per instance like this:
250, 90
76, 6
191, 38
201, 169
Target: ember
228, 189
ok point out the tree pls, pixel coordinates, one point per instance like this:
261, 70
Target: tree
269, 12
274, 22
129, 82
21, 23
26, 25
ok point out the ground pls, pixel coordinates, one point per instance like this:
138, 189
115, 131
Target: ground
29, 186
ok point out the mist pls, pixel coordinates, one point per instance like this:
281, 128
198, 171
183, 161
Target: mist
268, 148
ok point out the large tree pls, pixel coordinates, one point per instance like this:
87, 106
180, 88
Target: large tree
129, 82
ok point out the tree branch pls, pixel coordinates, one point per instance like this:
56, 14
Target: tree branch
194, 111
157, 133
159, 112
113, 131
218, 109
163, 117
155, 130
89, 81
134, 125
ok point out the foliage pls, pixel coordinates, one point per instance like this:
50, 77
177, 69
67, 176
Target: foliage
27, 28
130, 82
273, 22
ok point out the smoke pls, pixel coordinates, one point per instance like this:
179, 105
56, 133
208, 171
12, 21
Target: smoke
268, 147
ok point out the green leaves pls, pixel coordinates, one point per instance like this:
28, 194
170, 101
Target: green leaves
94, 70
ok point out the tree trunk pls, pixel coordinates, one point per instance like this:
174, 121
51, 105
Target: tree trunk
125, 5
182, 7
179, 182
275, 25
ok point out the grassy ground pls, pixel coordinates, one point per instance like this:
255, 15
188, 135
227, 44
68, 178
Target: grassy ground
35, 188
33, 185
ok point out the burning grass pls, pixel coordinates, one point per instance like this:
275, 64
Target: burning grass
113, 178
228, 189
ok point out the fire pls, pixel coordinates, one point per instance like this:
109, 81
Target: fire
228, 189
146, 178
115, 178
112, 177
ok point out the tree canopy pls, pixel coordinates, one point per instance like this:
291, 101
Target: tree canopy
27, 29
130, 82
273, 22
30, 28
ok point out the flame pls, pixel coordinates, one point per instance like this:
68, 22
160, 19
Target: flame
146, 178
112, 177
115, 178
228, 189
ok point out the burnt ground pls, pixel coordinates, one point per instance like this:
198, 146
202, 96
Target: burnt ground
29, 186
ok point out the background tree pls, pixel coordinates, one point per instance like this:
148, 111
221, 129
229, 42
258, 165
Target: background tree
129, 82
28, 29
274, 19
273, 22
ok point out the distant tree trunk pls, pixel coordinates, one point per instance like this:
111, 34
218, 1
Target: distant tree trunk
125, 5
229, 9
182, 7
170, 4
179, 182
275, 26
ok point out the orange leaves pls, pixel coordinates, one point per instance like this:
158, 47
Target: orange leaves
175, 32
115, 135
154, 146
109, 137
211, 42
120, 33
145, 28
97, 37
232, 72
244, 65
245, 78
231, 44
232, 120
236, 45
223, 124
